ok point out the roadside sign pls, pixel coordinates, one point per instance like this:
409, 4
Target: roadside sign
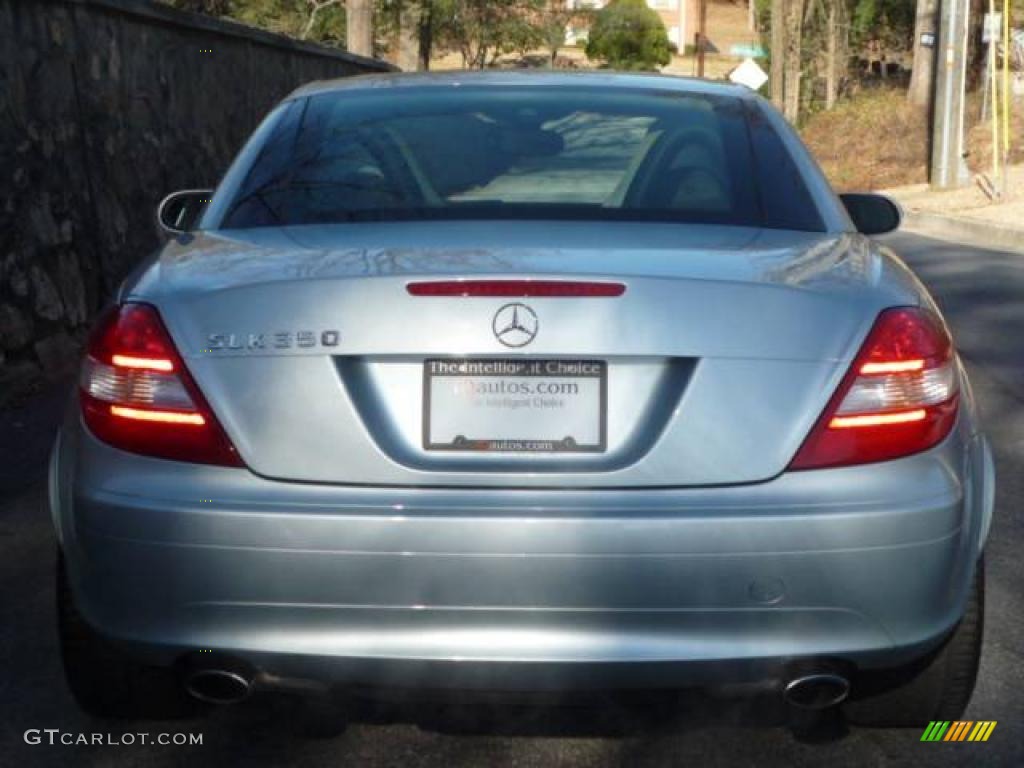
751, 50
749, 74
992, 29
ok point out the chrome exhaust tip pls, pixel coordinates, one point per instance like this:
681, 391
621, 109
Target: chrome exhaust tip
819, 690
219, 681
218, 686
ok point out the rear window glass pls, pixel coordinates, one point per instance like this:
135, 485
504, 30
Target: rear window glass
522, 152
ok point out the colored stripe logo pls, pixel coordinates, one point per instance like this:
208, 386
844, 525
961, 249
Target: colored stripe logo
958, 730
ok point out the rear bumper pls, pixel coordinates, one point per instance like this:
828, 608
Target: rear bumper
522, 588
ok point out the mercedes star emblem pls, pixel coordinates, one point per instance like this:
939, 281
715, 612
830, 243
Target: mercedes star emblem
515, 325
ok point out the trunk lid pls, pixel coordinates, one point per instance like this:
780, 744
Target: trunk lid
717, 359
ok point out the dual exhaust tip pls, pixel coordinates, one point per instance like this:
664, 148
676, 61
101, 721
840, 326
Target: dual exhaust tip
227, 680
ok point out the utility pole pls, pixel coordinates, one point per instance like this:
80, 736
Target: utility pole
948, 168
702, 22
359, 26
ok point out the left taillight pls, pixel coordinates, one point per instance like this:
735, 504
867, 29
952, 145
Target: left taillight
137, 394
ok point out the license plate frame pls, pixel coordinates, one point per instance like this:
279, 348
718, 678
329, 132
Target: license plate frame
567, 370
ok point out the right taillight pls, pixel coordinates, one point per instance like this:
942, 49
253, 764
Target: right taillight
899, 397
137, 394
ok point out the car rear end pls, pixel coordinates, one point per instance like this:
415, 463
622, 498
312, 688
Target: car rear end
512, 452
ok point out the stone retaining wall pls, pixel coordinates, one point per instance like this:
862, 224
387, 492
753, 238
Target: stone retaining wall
105, 106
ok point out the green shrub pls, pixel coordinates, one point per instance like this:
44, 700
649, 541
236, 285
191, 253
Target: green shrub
626, 34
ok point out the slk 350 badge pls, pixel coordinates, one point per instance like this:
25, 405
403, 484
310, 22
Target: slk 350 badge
236, 342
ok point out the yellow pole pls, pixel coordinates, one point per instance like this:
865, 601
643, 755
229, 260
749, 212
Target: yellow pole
1006, 81
995, 95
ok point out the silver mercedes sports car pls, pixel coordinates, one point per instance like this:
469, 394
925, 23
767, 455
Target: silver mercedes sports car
523, 382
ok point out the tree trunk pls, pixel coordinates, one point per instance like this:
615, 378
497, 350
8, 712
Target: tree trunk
832, 55
778, 22
922, 77
359, 24
426, 35
794, 18
408, 37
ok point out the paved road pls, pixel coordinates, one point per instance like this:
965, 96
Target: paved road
982, 294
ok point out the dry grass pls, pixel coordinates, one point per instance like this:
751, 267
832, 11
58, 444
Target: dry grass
979, 138
875, 140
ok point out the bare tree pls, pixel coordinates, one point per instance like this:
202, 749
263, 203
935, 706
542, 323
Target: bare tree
315, 6
482, 30
553, 20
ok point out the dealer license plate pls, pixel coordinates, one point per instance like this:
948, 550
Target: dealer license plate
516, 406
